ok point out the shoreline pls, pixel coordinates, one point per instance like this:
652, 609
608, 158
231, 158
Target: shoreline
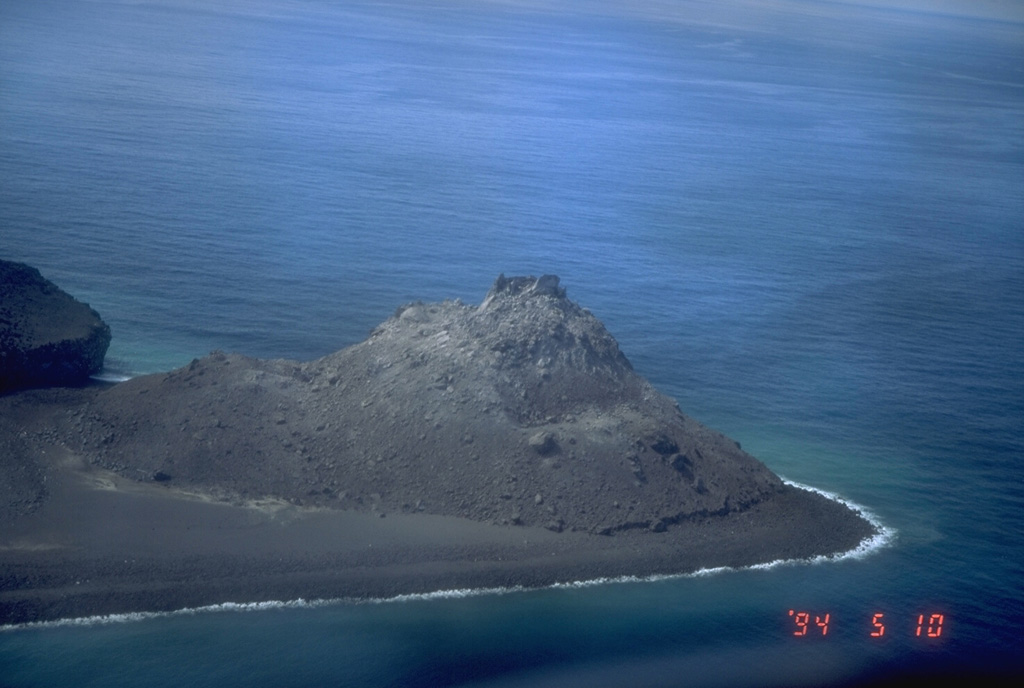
292, 557
94, 543
864, 548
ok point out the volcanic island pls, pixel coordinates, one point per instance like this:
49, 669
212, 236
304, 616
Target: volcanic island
508, 444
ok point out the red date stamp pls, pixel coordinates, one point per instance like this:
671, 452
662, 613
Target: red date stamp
928, 625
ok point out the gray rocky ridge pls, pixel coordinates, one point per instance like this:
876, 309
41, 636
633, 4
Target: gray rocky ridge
521, 410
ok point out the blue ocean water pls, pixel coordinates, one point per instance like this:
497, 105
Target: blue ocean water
804, 221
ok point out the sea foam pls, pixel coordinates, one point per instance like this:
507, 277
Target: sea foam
110, 377
883, 536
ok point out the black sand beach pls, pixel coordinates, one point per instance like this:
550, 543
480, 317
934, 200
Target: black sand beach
102, 544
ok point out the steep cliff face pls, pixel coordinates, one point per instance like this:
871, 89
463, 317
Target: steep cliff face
520, 410
47, 338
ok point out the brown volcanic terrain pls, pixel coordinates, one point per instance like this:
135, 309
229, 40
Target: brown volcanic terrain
458, 446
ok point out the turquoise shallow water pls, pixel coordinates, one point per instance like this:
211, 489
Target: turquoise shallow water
803, 224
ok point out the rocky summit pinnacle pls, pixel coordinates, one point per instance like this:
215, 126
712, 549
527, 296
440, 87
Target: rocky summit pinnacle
523, 287
520, 411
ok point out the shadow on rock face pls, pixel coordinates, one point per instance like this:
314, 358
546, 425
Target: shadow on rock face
47, 338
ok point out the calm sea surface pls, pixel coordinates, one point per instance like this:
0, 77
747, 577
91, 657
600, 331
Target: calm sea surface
806, 225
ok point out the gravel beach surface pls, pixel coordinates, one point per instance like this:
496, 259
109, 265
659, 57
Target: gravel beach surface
99, 543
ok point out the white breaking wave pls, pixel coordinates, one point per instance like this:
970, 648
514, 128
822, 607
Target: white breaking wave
187, 611
882, 538
110, 377
457, 593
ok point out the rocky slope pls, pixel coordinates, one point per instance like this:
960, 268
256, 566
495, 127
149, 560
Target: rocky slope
47, 338
522, 410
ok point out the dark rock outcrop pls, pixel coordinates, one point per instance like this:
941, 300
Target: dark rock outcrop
47, 338
446, 408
